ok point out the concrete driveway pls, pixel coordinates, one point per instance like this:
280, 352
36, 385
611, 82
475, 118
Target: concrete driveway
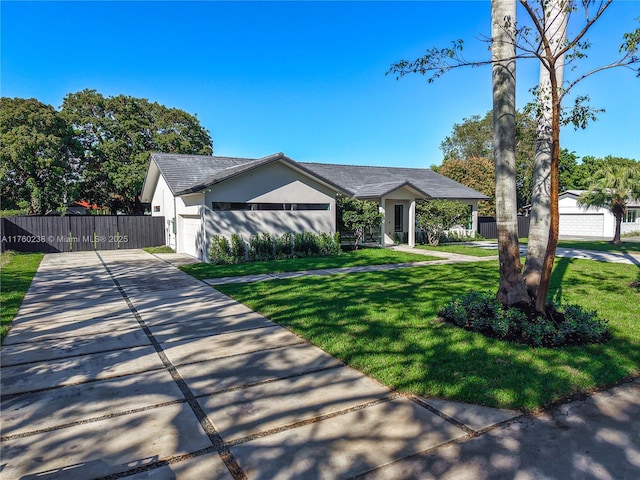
120, 365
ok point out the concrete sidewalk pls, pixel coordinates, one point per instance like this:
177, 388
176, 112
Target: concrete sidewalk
610, 257
120, 365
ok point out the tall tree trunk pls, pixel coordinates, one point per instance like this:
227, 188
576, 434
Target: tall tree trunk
618, 214
512, 289
556, 30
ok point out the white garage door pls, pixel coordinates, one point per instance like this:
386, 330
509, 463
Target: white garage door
582, 224
190, 233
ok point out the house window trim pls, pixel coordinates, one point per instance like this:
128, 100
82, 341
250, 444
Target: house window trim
268, 206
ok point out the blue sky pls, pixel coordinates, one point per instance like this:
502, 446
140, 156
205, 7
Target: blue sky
305, 78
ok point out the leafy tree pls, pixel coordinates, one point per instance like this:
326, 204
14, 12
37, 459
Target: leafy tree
476, 131
357, 217
437, 216
117, 135
569, 174
474, 172
589, 166
38, 156
473, 138
612, 188
536, 41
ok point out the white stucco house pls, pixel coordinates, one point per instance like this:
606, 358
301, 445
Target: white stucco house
201, 196
593, 222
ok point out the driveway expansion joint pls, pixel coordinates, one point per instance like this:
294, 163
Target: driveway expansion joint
214, 437
316, 419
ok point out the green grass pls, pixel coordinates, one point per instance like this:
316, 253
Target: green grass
368, 256
162, 249
385, 325
600, 246
462, 249
16, 272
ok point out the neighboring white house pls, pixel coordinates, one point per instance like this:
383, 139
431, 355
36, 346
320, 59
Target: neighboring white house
593, 221
201, 196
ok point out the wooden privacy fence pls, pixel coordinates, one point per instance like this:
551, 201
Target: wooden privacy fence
81, 233
488, 228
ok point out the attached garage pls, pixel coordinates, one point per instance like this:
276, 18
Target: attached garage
191, 238
582, 224
579, 221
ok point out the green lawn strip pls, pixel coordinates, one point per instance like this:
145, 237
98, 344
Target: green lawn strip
599, 246
384, 324
162, 249
16, 272
369, 256
462, 250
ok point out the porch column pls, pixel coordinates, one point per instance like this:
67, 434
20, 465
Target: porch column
412, 223
381, 209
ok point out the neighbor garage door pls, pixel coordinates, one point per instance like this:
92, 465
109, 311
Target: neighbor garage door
190, 234
582, 224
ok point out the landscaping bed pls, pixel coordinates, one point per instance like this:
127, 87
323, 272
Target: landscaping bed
386, 325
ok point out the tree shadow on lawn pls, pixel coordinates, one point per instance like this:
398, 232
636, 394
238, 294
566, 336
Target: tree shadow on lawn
385, 325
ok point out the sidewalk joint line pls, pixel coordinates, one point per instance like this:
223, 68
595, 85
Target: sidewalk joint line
9, 396
214, 437
309, 421
158, 464
270, 380
224, 357
133, 327
77, 355
90, 420
442, 415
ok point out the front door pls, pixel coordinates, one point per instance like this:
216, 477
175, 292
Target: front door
398, 218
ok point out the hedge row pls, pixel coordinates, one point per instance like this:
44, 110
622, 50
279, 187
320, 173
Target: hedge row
264, 246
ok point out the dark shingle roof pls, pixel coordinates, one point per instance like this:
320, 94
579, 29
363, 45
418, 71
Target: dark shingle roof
192, 173
184, 172
369, 182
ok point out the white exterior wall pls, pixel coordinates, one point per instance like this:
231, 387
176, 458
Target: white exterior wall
163, 198
582, 221
191, 237
273, 183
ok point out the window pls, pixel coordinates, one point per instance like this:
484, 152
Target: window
399, 218
156, 208
237, 206
631, 216
311, 206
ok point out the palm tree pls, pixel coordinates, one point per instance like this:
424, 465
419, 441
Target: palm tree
512, 289
612, 187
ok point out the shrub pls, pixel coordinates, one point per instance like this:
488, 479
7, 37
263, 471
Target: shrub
261, 246
220, 250
283, 245
481, 312
306, 244
329, 244
238, 248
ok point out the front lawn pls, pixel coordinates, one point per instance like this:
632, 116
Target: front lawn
356, 258
462, 250
16, 272
161, 249
385, 325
